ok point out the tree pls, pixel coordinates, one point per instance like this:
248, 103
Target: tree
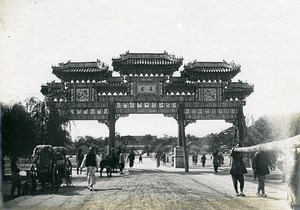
294, 125
56, 133
26, 126
19, 131
261, 131
37, 110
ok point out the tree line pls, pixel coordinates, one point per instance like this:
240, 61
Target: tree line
26, 125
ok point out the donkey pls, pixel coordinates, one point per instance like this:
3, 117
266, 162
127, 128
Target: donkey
110, 163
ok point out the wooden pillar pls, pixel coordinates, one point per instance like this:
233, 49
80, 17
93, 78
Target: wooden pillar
111, 124
241, 122
179, 131
182, 135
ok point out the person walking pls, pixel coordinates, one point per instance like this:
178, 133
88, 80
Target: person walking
79, 159
237, 170
91, 163
140, 159
131, 158
196, 159
203, 160
15, 176
215, 157
193, 158
221, 159
157, 157
164, 159
122, 162
260, 165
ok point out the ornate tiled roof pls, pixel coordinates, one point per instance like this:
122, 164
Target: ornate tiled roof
54, 90
81, 71
178, 85
205, 71
147, 59
146, 63
238, 90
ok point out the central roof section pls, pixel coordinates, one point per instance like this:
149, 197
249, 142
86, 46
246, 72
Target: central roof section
146, 64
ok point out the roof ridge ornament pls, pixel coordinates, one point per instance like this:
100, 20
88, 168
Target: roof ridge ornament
101, 64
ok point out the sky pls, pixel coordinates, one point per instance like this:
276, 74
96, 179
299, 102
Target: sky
261, 36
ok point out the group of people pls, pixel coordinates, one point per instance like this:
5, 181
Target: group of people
91, 163
159, 156
261, 164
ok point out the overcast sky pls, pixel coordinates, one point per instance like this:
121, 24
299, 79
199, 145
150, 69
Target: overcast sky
261, 36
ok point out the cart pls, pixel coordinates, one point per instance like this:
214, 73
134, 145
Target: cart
50, 167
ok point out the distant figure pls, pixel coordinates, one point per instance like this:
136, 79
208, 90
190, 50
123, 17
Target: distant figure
260, 165
79, 159
203, 160
195, 159
157, 157
140, 159
221, 159
215, 157
237, 170
164, 159
15, 176
122, 162
131, 158
91, 163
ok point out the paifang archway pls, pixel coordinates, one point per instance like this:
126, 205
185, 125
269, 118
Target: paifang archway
203, 91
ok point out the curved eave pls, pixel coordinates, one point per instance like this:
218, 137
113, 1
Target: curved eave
217, 74
146, 70
81, 75
239, 90
52, 89
141, 62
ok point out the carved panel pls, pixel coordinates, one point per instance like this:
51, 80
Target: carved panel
131, 105
92, 94
147, 88
139, 105
72, 95
82, 94
209, 94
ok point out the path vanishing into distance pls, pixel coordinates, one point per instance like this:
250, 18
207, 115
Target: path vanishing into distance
147, 187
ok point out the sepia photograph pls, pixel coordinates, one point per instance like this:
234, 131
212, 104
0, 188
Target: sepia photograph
140, 104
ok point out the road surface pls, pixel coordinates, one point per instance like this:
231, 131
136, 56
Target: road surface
146, 187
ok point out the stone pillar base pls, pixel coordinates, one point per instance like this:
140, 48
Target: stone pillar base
178, 157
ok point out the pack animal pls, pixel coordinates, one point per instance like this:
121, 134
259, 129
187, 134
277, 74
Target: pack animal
109, 163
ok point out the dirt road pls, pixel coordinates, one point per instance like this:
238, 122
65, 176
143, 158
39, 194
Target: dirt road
146, 187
